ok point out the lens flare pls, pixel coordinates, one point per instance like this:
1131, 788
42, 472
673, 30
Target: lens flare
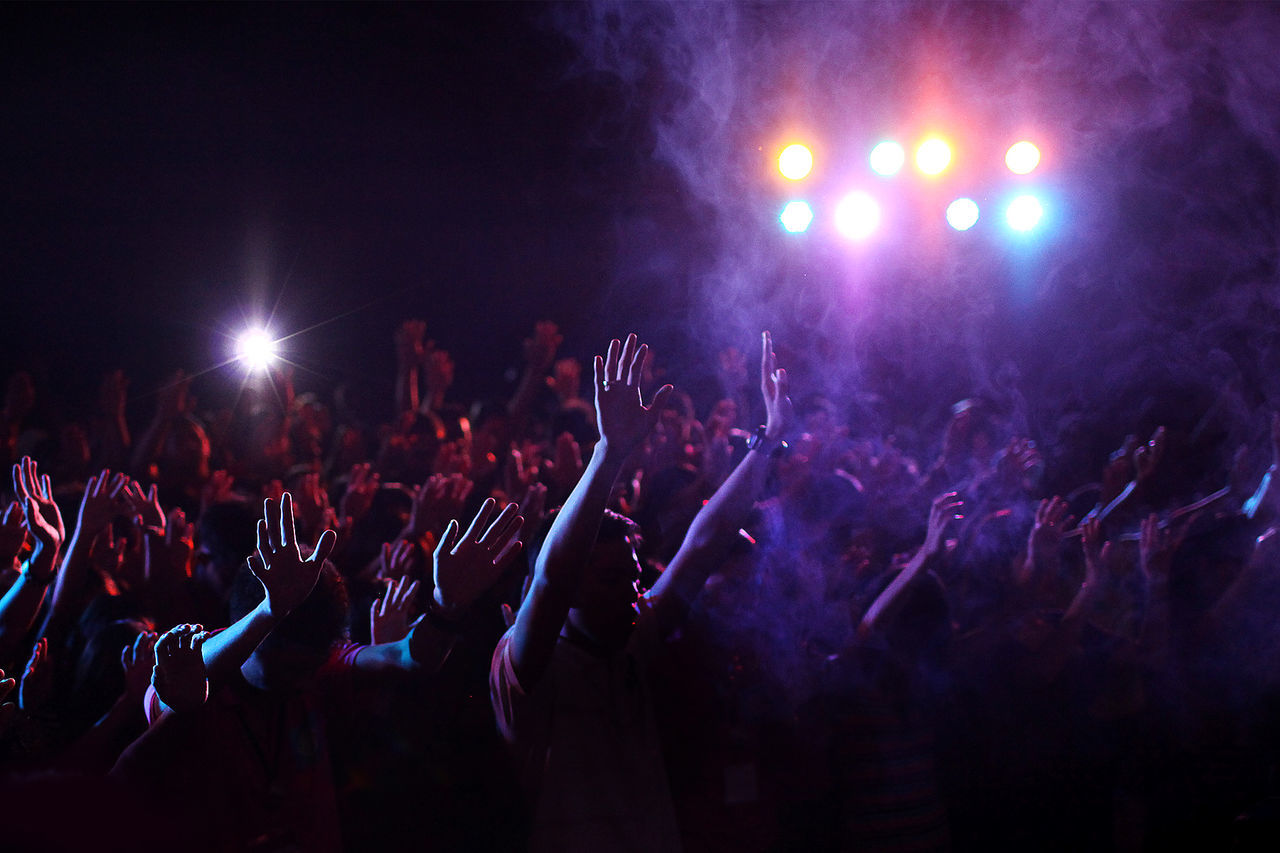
857, 216
887, 158
1024, 213
795, 162
256, 349
1022, 158
933, 156
962, 214
796, 217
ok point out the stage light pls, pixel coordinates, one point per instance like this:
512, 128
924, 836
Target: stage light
796, 217
1022, 158
256, 349
857, 215
1024, 213
962, 214
887, 158
795, 162
933, 156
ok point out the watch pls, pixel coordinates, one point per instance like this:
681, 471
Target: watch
758, 441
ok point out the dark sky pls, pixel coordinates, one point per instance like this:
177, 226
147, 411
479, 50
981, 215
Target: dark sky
170, 170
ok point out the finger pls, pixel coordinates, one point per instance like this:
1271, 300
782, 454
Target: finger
660, 399
611, 360
635, 370
449, 540
768, 362
257, 566
481, 520
507, 525
271, 517
507, 554
263, 544
781, 382
410, 593
288, 533
324, 547
598, 374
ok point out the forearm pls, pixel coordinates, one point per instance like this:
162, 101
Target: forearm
888, 604
711, 535
226, 651
18, 611
1261, 498
573, 534
426, 648
71, 583
148, 447
406, 389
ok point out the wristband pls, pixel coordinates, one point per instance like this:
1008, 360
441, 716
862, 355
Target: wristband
759, 441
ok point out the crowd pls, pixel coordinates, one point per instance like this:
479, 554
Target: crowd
598, 622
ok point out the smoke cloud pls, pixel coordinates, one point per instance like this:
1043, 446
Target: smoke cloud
1153, 288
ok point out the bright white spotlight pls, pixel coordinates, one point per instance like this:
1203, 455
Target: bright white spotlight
887, 158
1022, 158
1024, 213
256, 349
795, 162
962, 214
933, 156
796, 217
857, 216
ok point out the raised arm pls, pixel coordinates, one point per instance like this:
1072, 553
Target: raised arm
623, 421
712, 532
286, 578
465, 565
21, 603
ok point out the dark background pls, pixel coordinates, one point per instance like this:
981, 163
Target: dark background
171, 172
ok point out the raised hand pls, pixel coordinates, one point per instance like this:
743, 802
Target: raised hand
467, 564
362, 485
217, 489
37, 678
28, 483
439, 498
13, 534
136, 660
312, 505
621, 415
1051, 523
7, 709
286, 578
1147, 456
145, 506
104, 498
396, 560
47, 537
780, 415
567, 467
179, 674
389, 613
944, 510
540, 350
409, 342
1157, 545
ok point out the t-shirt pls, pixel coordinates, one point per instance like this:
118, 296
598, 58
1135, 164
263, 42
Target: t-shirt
587, 749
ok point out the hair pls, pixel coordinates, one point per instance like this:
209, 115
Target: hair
614, 527
228, 532
319, 622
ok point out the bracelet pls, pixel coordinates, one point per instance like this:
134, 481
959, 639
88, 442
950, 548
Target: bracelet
759, 441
